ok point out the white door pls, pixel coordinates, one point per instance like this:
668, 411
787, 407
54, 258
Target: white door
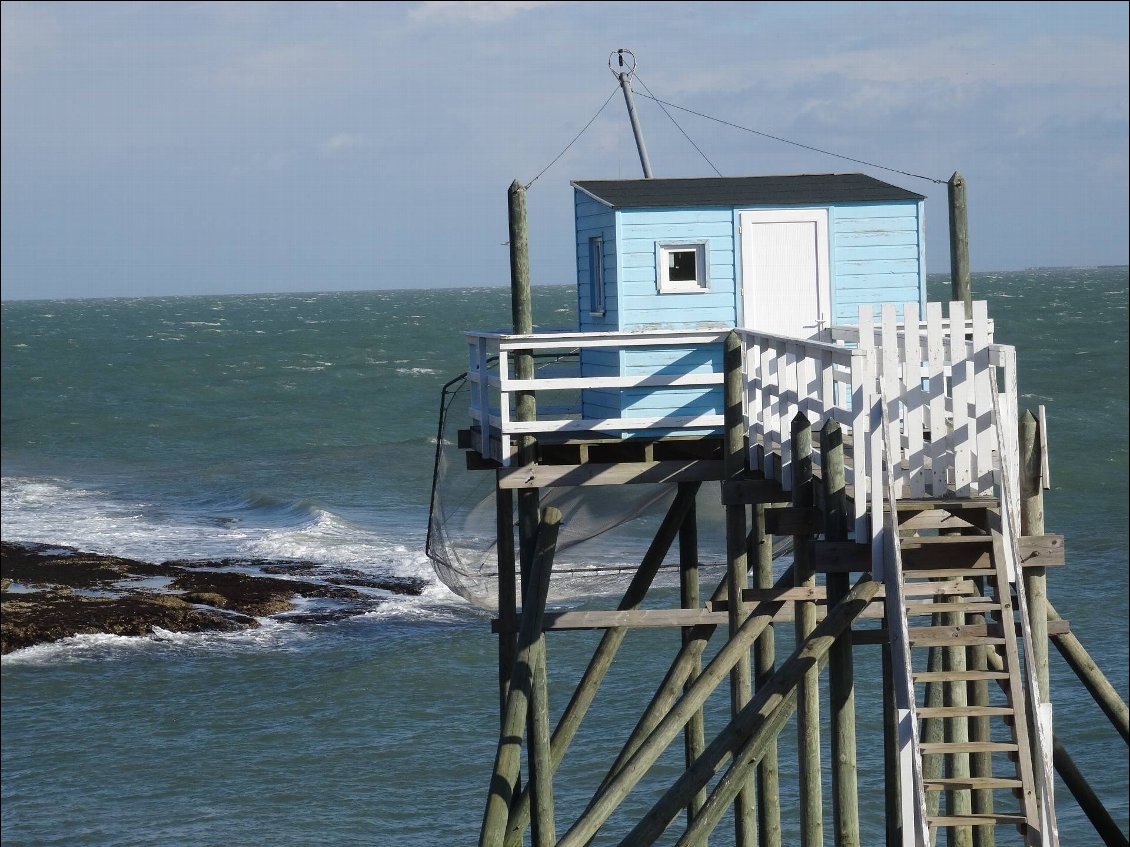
785, 288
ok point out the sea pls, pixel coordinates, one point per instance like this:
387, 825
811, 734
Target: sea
304, 427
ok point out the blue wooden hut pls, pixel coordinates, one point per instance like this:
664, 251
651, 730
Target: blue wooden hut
786, 255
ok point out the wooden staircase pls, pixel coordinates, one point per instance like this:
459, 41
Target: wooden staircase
972, 741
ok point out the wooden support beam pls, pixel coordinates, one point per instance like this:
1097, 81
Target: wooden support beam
694, 733
1089, 673
508, 755
650, 748
841, 668
598, 667
808, 689
1065, 766
737, 561
612, 473
750, 492
794, 520
743, 741
768, 777
848, 557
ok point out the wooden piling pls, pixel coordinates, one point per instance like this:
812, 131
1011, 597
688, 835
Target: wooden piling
1032, 523
768, 772
741, 683
689, 596
980, 730
508, 755
507, 598
841, 669
808, 692
892, 805
959, 243
960, 801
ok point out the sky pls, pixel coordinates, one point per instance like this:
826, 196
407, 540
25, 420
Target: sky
159, 148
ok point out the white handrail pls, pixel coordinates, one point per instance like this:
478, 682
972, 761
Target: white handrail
912, 782
1041, 712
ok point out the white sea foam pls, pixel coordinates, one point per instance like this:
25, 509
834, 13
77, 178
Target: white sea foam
271, 635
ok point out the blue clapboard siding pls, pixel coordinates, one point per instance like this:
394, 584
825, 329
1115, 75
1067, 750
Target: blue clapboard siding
641, 305
876, 256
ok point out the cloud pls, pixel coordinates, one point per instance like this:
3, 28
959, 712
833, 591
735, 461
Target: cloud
475, 11
343, 142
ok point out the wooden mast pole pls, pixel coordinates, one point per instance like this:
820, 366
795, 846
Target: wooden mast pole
959, 243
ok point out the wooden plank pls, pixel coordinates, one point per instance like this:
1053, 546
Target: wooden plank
738, 492
970, 607
946, 748
963, 711
975, 783
794, 520
613, 473
976, 820
967, 676
847, 556
960, 388
931, 519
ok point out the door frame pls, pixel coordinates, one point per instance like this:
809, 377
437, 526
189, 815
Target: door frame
818, 216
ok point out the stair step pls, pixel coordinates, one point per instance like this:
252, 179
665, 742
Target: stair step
975, 820
955, 636
970, 607
964, 711
911, 572
953, 587
958, 676
944, 748
971, 782
916, 541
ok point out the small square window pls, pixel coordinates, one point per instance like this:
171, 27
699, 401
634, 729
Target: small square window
681, 268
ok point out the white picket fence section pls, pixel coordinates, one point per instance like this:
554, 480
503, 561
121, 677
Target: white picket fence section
937, 373
937, 376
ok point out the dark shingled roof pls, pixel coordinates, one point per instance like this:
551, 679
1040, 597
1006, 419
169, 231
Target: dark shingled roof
743, 191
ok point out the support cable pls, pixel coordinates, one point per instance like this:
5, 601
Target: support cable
787, 141
676, 123
574, 141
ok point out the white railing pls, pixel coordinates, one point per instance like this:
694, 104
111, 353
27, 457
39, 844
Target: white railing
494, 385
938, 382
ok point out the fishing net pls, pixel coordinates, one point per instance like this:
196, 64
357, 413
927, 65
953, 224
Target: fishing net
590, 558
462, 526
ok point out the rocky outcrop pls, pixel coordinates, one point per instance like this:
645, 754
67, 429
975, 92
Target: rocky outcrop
51, 593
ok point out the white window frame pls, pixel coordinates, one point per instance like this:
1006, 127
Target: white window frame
699, 285
596, 276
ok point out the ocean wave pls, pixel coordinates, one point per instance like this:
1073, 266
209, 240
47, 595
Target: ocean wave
273, 635
254, 526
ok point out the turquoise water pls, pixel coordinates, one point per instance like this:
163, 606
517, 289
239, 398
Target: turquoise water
302, 426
